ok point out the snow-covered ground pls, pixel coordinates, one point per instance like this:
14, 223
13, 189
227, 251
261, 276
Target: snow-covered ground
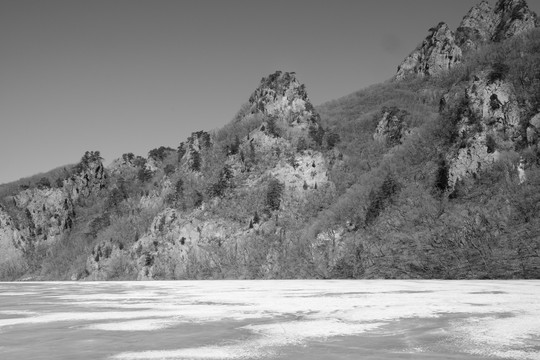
270, 319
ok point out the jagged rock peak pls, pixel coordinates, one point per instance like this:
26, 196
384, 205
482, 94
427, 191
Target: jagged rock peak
515, 17
280, 94
437, 53
477, 27
483, 23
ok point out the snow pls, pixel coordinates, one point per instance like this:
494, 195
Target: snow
497, 319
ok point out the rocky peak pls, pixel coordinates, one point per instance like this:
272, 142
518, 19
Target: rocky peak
477, 27
437, 53
441, 50
90, 176
281, 95
514, 18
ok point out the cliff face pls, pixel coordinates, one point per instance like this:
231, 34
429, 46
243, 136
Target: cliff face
392, 127
43, 214
50, 212
438, 52
489, 124
441, 50
285, 149
477, 27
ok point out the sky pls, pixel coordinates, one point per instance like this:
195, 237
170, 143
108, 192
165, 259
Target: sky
122, 76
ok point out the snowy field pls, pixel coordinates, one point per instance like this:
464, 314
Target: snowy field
296, 319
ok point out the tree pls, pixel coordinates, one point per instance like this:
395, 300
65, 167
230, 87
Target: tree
332, 139
273, 194
271, 127
128, 157
380, 198
301, 145
441, 180
218, 189
195, 160
88, 158
144, 174
235, 146
169, 169
316, 133
43, 183
160, 153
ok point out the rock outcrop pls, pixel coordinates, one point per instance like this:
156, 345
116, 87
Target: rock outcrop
484, 24
90, 178
10, 237
43, 213
477, 27
514, 17
438, 52
533, 131
392, 127
280, 95
441, 50
489, 124
166, 249
49, 211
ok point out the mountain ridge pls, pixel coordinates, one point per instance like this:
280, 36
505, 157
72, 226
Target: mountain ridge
434, 175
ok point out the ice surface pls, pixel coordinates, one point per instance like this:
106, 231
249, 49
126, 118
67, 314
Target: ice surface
494, 319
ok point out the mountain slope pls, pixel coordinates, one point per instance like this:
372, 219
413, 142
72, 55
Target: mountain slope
432, 174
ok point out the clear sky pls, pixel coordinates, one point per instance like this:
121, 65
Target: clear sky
128, 76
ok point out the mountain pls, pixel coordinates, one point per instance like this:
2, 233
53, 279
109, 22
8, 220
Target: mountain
443, 48
432, 174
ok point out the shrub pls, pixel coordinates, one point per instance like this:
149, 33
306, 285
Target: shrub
169, 169
128, 157
491, 144
316, 133
144, 174
43, 183
160, 153
271, 126
332, 139
499, 71
88, 158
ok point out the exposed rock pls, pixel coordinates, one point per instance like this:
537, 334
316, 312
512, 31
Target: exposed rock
392, 127
489, 124
533, 130
484, 24
306, 171
441, 51
42, 214
282, 96
477, 27
438, 52
514, 17
11, 239
495, 102
90, 179
50, 211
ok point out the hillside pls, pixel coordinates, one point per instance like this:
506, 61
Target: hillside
432, 174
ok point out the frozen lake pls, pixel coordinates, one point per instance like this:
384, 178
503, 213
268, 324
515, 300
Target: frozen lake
296, 319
